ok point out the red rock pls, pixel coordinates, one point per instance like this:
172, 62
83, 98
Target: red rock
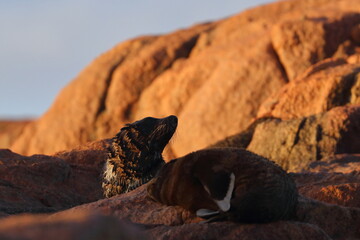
343, 163
136, 207
338, 222
227, 230
335, 188
340, 194
172, 222
215, 77
295, 143
82, 225
315, 220
41, 183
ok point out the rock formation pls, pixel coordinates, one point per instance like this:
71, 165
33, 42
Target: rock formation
214, 76
42, 183
10, 130
281, 80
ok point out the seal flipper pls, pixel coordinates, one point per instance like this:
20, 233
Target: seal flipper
206, 213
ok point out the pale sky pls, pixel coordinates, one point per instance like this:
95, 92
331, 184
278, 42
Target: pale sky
45, 44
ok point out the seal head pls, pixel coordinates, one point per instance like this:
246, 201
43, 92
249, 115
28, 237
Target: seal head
136, 154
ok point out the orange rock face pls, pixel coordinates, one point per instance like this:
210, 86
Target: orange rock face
213, 76
282, 80
325, 85
10, 131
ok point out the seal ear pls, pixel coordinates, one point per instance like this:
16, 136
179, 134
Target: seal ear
220, 188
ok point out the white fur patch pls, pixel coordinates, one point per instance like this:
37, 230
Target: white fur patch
108, 173
224, 204
206, 212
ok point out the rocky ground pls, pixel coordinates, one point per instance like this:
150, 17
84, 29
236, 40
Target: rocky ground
281, 80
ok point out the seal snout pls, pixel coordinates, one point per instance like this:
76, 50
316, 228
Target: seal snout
164, 131
172, 121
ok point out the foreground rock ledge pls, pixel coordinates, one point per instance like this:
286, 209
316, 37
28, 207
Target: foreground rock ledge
315, 220
82, 225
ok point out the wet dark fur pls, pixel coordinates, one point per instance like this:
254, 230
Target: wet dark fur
263, 192
135, 154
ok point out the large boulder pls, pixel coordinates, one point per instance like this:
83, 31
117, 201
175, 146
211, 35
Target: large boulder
100, 100
42, 183
214, 76
284, 78
296, 143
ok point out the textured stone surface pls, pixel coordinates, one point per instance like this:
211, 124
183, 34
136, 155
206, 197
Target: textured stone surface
338, 222
344, 163
293, 144
242, 139
214, 76
41, 183
136, 207
314, 220
303, 42
10, 130
331, 187
281, 80
82, 225
228, 230
325, 85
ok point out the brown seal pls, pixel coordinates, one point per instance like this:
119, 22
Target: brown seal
230, 183
135, 154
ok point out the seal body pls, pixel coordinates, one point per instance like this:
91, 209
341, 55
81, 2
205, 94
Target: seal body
136, 154
230, 183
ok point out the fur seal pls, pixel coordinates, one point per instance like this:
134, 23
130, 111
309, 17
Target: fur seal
226, 184
135, 154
